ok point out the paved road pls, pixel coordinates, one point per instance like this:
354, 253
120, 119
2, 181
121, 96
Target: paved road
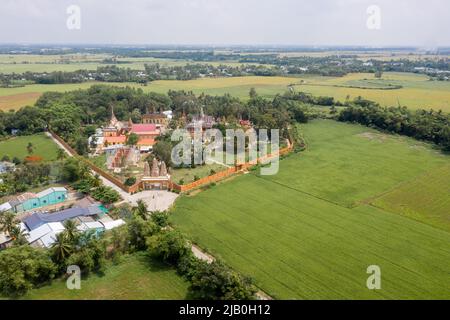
156, 200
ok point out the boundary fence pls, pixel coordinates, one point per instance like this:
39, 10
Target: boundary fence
172, 185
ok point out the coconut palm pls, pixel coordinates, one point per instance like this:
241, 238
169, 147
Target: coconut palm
71, 232
61, 154
141, 210
61, 247
30, 148
7, 222
18, 235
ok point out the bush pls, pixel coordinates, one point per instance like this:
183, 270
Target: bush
215, 281
161, 219
170, 246
24, 267
90, 254
139, 230
130, 181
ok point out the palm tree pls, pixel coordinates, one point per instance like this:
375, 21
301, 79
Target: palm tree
7, 222
17, 234
71, 232
61, 154
141, 209
30, 148
61, 247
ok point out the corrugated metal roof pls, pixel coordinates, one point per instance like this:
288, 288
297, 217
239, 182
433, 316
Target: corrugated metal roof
50, 191
5, 206
38, 219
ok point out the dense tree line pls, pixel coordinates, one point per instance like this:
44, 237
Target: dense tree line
113, 73
429, 125
75, 115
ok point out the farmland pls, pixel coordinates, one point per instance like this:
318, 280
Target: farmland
414, 91
136, 277
298, 236
359, 162
426, 198
43, 146
14, 98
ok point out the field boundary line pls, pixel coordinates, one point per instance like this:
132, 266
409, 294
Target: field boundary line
370, 200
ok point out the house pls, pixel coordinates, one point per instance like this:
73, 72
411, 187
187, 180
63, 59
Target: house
45, 235
96, 141
28, 201
38, 219
6, 166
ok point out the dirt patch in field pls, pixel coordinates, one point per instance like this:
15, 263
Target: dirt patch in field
373, 136
17, 101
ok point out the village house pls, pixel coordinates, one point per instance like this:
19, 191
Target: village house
29, 201
42, 228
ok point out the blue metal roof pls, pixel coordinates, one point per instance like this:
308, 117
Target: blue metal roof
37, 219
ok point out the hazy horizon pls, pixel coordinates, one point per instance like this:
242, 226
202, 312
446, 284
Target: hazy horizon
322, 23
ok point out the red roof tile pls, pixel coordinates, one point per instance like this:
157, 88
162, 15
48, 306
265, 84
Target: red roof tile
140, 127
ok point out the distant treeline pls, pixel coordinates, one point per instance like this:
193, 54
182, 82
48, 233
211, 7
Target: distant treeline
113, 73
425, 125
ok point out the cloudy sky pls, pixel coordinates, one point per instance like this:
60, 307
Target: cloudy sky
294, 22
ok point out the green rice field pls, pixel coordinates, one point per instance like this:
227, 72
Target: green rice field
301, 237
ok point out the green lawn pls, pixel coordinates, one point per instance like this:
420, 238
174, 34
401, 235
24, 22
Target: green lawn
137, 277
187, 174
43, 146
302, 246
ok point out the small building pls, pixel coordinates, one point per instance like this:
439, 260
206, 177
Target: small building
6, 166
158, 119
29, 201
38, 219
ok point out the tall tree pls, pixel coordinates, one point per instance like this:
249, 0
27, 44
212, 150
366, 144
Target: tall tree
30, 148
62, 248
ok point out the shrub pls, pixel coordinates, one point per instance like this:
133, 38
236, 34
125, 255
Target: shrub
24, 267
170, 246
138, 231
161, 219
215, 281
130, 181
